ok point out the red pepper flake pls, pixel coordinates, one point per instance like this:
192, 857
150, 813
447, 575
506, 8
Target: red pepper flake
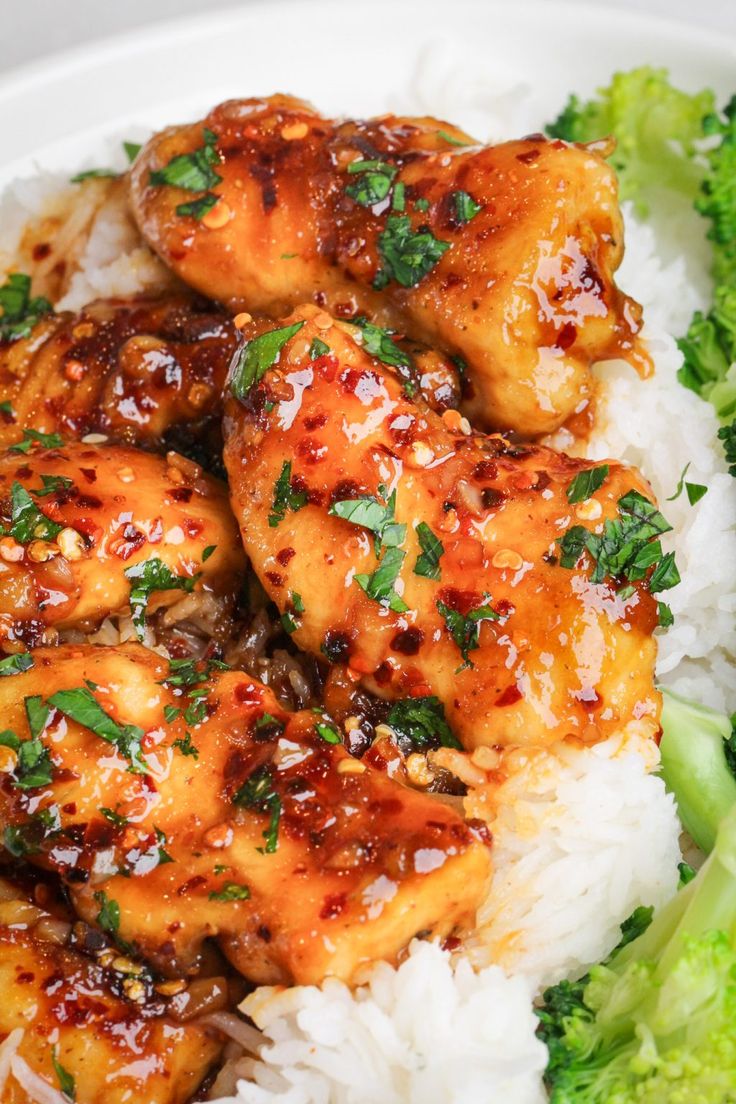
284, 555
315, 421
510, 696
193, 883
89, 474
408, 641
248, 693
192, 528
566, 337
274, 578
334, 905
156, 532
180, 494
128, 542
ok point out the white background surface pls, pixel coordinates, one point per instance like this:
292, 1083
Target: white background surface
31, 28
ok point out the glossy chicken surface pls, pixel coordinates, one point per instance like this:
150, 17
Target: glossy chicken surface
136, 370
77, 517
229, 819
67, 1009
519, 649
503, 256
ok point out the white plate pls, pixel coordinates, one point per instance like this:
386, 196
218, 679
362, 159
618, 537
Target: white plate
347, 56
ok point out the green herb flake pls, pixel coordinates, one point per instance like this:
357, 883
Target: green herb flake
94, 174
464, 207
727, 435
327, 732
285, 497
33, 438
373, 515
665, 616
422, 205
27, 521
686, 872
407, 254
132, 149
257, 356
586, 483
15, 664
208, 552
115, 818
680, 484
257, 793
421, 722
290, 623
163, 854
231, 891
379, 585
428, 561
695, 492
192, 172
147, 578
65, 1079
378, 343
186, 747
318, 348
80, 705
376, 178
197, 208
19, 311
52, 484
451, 139
465, 628
398, 200
6, 407
108, 918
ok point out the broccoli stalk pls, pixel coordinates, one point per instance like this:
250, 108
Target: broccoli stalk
656, 1024
696, 757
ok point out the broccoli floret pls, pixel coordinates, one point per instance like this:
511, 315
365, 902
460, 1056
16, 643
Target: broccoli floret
718, 199
727, 434
695, 767
657, 129
656, 1024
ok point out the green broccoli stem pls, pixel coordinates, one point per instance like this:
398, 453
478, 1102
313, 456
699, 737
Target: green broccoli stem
707, 903
694, 766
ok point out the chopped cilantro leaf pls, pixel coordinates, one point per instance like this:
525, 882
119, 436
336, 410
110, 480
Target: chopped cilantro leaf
32, 437
148, 577
453, 141
428, 561
27, 521
93, 174
465, 207
66, 1080
465, 628
108, 917
422, 205
132, 149
373, 515
231, 891
398, 200
586, 483
327, 732
375, 181
163, 854
695, 492
191, 171
407, 254
285, 497
378, 342
197, 208
665, 574
257, 356
186, 747
680, 484
421, 722
208, 552
6, 407
727, 434
80, 705
665, 616
289, 622
379, 585
19, 312
51, 484
318, 348
258, 793
15, 664
37, 714
114, 818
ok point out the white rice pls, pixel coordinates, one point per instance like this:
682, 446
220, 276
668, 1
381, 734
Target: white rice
582, 836
425, 1033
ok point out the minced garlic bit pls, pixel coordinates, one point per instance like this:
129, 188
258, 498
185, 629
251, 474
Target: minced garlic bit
170, 988
456, 423
126, 475
590, 510
94, 439
418, 770
219, 836
218, 216
71, 544
40, 551
421, 454
294, 130
350, 766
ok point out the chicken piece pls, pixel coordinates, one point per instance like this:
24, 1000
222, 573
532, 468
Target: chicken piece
231, 818
519, 649
136, 370
503, 255
95, 530
68, 1023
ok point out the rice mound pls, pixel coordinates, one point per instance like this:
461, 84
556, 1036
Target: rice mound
427, 1032
582, 836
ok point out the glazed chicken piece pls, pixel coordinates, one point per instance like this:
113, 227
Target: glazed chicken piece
69, 1024
94, 530
135, 370
503, 256
180, 804
331, 466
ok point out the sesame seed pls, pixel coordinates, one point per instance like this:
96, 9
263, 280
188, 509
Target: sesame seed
218, 216
590, 510
242, 319
294, 130
506, 557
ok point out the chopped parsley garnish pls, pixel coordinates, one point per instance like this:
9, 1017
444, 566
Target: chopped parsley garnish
80, 705
465, 207
398, 199
626, 548
285, 497
268, 727
93, 174
33, 437
148, 577
132, 149
26, 839
15, 664
186, 747
289, 622
208, 552
327, 732
33, 767
108, 917
257, 356
171, 712
191, 171
376, 516
318, 348
464, 628
27, 521
115, 818
191, 672
586, 483
37, 714
258, 793
376, 178
19, 312
422, 205
421, 721
428, 561
665, 616
197, 208
407, 254
694, 491
66, 1080
727, 434
163, 854
378, 343
379, 585
231, 891
680, 484
451, 139
6, 408
51, 484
